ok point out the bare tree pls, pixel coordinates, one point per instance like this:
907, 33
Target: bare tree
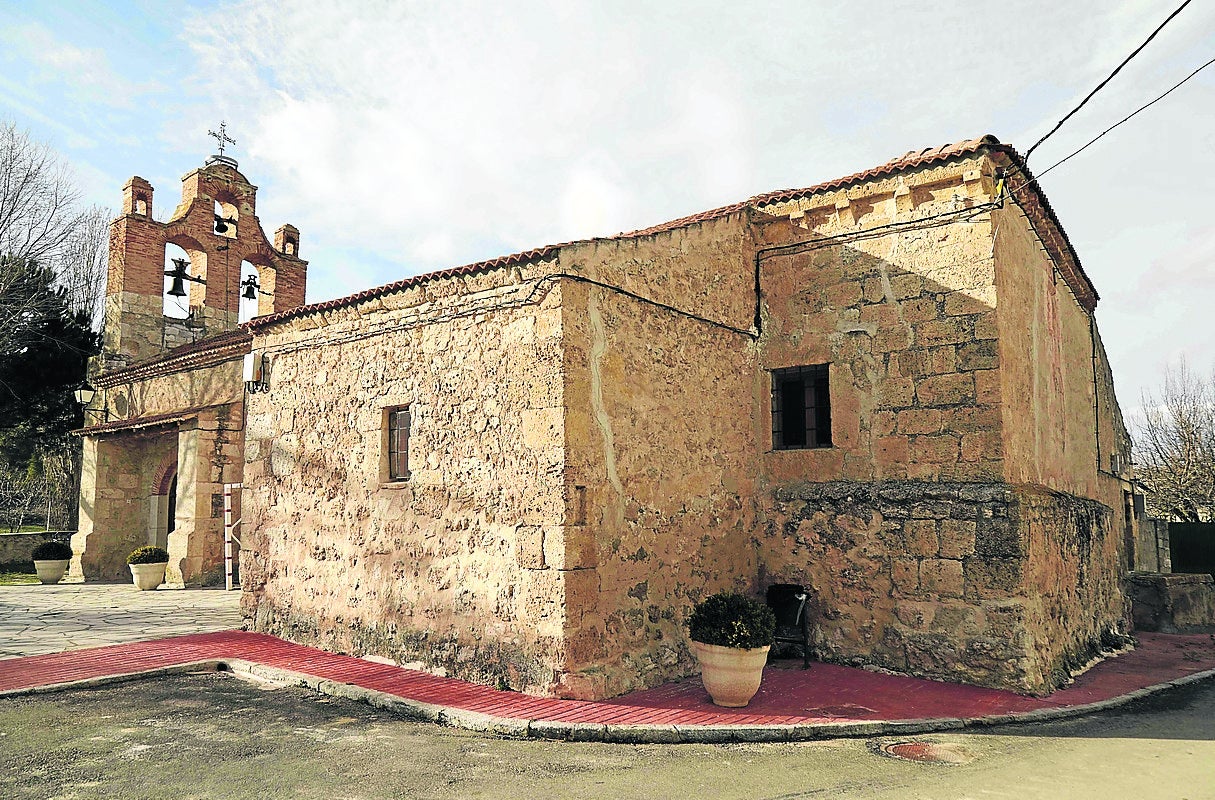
41, 221
38, 198
1175, 447
82, 265
52, 283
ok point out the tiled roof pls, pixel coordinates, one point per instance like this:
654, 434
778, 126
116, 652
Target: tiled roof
205, 352
1047, 224
526, 257
123, 425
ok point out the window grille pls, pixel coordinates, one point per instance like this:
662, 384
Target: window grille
801, 407
398, 444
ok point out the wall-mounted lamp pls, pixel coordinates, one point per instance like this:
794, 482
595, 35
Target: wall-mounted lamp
85, 395
257, 374
252, 289
179, 275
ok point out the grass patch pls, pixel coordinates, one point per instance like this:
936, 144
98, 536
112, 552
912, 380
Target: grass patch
18, 578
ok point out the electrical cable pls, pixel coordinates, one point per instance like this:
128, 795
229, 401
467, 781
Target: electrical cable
1110, 77
806, 245
1092, 141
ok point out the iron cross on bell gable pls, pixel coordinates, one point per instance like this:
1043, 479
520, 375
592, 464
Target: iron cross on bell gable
222, 137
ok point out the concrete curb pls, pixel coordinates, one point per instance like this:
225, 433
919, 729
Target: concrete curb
615, 734
207, 665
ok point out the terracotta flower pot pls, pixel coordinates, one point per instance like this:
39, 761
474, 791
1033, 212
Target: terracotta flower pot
52, 571
731, 675
148, 576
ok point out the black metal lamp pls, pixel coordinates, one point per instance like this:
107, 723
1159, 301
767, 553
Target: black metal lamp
84, 396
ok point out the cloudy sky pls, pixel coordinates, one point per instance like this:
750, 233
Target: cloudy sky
402, 137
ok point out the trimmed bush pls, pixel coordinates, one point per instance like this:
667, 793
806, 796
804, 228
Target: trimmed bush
732, 620
148, 555
52, 551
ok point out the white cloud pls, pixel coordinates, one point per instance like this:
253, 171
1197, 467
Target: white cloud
86, 72
408, 136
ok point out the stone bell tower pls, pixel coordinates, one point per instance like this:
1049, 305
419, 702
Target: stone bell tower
216, 225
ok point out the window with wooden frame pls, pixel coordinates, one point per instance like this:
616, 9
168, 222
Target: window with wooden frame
396, 446
801, 407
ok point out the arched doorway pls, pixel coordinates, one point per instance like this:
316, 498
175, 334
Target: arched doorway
171, 516
163, 512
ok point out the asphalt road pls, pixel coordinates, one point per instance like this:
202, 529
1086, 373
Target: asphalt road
214, 736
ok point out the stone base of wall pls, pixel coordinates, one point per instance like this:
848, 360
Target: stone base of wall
1173, 603
948, 580
487, 662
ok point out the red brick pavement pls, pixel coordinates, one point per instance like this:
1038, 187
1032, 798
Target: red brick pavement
789, 695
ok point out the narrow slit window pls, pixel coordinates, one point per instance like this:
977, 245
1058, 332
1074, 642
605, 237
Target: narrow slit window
801, 407
398, 444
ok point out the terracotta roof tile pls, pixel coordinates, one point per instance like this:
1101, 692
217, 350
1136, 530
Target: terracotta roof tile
911, 160
220, 347
122, 425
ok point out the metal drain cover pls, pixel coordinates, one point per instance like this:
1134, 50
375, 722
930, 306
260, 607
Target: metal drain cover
923, 752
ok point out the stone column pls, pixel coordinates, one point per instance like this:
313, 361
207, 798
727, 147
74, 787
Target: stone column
206, 459
113, 519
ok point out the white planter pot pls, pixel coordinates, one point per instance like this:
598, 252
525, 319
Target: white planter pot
52, 571
148, 576
731, 675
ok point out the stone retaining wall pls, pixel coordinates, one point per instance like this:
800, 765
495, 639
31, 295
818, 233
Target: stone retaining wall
18, 548
990, 584
1181, 603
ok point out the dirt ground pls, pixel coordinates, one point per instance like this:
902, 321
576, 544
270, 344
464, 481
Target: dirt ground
214, 736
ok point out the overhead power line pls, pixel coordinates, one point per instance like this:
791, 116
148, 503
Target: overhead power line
1119, 122
1109, 78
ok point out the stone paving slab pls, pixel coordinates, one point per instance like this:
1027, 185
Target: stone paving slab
39, 619
793, 705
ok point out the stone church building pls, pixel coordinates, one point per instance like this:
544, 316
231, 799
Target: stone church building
888, 387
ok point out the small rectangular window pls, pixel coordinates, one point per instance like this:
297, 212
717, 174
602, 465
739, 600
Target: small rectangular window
801, 407
398, 443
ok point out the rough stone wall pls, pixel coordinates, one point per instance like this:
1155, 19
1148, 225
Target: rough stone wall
660, 449
703, 268
907, 324
1072, 577
215, 385
1069, 437
941, 344
1173, 603
18, 548
974, 582
460, 568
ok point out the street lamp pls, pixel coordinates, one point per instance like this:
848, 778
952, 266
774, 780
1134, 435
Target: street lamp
84, 396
